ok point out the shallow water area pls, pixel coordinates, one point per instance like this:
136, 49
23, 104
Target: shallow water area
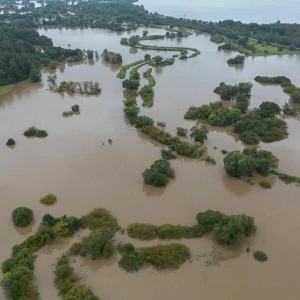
73, 164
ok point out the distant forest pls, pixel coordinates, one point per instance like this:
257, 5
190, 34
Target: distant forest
19, 59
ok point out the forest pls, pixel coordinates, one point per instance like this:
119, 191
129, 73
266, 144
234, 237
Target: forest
20, 57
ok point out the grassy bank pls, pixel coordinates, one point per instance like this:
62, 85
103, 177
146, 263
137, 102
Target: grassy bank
6, 89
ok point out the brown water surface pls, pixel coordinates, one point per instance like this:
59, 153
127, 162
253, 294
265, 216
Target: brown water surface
73, 164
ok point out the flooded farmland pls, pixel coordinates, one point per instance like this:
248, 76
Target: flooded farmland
73, 164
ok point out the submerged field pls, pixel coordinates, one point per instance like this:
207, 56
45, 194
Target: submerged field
73, 164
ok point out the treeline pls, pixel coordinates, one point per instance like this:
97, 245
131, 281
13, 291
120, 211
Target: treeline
114, 14
18, 59
23, 51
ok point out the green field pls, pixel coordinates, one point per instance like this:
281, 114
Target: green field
266, 50
6, 89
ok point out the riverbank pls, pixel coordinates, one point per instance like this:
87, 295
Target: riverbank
5, 89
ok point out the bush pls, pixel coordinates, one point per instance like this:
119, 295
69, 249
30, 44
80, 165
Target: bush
144, 232
100, 217
10, 142
199, 133
41, 133
22, 216
165, 256
269, 109
239, 59
260, 256
181, 131
265, 185
158, 173
48, 199
141, 121
209, 159
33, 131
295, 97
168, 231
99, 243
167, 154
75, 108
131, 262
250, 138
226, 229
237, 164
161, 124
75, 249
68, 113
288, 110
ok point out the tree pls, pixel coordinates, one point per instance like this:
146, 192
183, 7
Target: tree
10, 142
147, 56
199, 133
158, 173
295, 97
269, 109
99, 243
35, 75
250, 137
288, 110
22, 216
237, 164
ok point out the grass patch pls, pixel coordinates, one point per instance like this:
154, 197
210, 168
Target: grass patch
48, 199
150, 78
266, 50
5, 89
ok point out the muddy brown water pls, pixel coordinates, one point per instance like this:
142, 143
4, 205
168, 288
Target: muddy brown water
73, 164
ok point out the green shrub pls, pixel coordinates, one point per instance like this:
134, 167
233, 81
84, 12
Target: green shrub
226, 229
237, 164
75, 249
100, 217
250, 137
131, 262
161, 124
209, 159
99, 243
289, 110
75, 108
265, 185
68, 283
162, 257
158, 173
131, 112
41, 134
33, 131
22, 216
199, 133
260, 256
126, 248
142, 232
167, 154
10, 142
68, 113
239, 59
48, 199
181, 131
141, 121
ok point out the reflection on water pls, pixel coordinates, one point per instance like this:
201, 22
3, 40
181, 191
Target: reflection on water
73, 163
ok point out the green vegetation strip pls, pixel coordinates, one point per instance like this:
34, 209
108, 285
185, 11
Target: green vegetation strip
161, 257
286, 178
150, 78
6, 89
227, 229
18, 270
122, 72
68, 284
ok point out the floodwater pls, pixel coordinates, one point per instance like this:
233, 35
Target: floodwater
268, 11
73, 163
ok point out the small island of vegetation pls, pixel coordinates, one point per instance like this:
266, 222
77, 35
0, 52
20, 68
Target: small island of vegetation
35, 132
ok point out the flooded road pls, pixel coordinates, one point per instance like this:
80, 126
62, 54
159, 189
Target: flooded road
73, 164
